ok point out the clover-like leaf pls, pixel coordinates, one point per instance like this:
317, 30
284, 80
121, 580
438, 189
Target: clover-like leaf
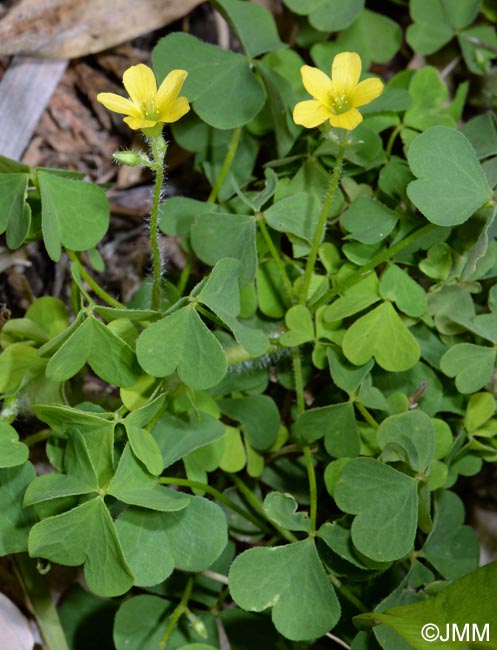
451, 547
74, 214
12, 452
435, 22
298, 320
368, 221
182, 342
291, 580
179, 435
470, 364
156, 542
253, 24
75, 537
282, 508
328, 15
133, 485
381, 334
238, 241
15, 520
396, 285
386, 504
258, 416
108, 355
15, 213
451, 184
336, 423
221, 293
221, 85
409, 437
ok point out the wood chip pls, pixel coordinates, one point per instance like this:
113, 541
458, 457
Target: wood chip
25, 90
68, 29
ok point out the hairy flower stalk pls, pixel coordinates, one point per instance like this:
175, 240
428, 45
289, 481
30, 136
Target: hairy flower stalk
336, 101
147, 109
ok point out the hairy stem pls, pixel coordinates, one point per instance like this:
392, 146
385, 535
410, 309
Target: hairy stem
311, 474
159, 149
323, 218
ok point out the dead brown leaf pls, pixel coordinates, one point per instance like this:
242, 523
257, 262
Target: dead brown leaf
68, 29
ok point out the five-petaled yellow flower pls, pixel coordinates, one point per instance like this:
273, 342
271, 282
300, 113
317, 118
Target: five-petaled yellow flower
148, 106
338, 98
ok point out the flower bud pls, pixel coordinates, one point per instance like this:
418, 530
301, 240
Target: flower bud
132, 158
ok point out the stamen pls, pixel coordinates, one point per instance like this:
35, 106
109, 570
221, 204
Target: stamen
340, 104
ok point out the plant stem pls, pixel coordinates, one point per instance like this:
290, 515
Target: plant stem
34, 438
323, 218
185, 274
287, 285
256, 504
384, 256
214, 575
219, 496
37, 591
392, 138
93, 284
311, 474
313, 492
159, 149
299, 381
366, 415
230, 155
176, 615
346, 593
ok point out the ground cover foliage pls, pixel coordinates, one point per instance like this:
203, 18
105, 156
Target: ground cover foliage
290, 412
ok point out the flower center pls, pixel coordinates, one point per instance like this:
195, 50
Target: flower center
149, 109
339, 104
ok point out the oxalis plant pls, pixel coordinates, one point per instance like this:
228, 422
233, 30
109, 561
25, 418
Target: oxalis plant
275, 461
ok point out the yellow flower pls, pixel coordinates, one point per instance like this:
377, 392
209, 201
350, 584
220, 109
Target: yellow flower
338, 98
148, 106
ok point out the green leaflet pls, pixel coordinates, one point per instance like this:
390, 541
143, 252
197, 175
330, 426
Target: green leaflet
154, 543
381, 334
12, 452
267, 577
221, 86
108, 355
182, 342
376, 492
451, 185
74, 214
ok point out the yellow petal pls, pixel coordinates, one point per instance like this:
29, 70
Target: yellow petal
118, 104
345, 71
139, 81
317, 83
348, 120
366, 91
169, 89
175, 110
310, 114
139, 123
